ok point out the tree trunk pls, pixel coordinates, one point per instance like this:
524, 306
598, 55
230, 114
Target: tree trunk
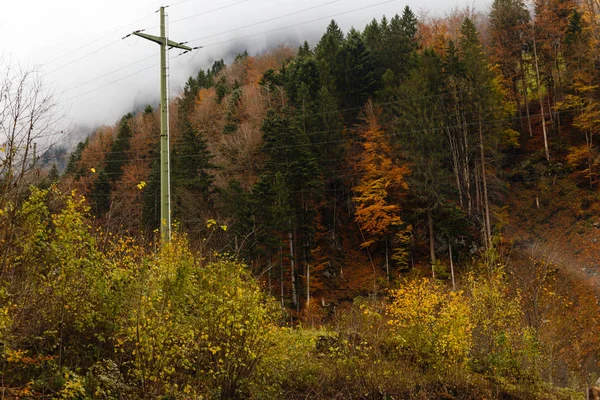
307, 285
526, 97
451, 266
466, 169
431, 237
292, 267
486, 205
518, 101
269, 274
537, 74
455, 166
281, 276
387, 263
478, 196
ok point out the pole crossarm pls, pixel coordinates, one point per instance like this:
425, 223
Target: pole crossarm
160, 40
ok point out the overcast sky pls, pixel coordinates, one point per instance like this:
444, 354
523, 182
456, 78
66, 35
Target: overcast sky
78, 48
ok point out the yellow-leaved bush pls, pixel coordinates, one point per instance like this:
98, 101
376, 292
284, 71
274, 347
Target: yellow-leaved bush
430, 323
502, 345
197, 328
85, 314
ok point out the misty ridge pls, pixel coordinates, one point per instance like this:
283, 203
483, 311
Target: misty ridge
200, 61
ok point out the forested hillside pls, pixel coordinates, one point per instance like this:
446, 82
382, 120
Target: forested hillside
403, 211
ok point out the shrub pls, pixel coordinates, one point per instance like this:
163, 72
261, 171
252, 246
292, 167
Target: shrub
501, 342
200, 328
431, 324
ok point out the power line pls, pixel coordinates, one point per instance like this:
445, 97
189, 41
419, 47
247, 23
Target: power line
268, 20
109, 73
381, 104
234, 39
209, 11
201, 13
117, 41
110, 83
81, 58
95, 40
297, 24
308, 144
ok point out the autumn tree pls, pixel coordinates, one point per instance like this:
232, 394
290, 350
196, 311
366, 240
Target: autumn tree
510, 33
381, 181
551, 23
583, 98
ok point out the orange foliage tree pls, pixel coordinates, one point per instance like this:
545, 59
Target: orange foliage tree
381, 180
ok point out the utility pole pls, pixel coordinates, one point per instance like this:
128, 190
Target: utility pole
165, 181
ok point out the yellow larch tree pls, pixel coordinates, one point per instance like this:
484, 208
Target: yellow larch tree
381, 180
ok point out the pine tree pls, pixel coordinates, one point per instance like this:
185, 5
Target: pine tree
75, 157
399, 44
119, 151
485, 105
420, 119
329, 57
294, 176
358, 82
151, 198
100, 195
191, 180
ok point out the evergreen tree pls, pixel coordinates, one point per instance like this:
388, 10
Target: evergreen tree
76, 157
303, 71
485, 104
304, 50
420, 121
151, 197
119, 151
374, 39
330, 60
191, 178
358, 82
217, 67
394, 43
293, 176
101, 193
53, 174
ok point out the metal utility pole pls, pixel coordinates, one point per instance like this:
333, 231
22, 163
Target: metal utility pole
165, 182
